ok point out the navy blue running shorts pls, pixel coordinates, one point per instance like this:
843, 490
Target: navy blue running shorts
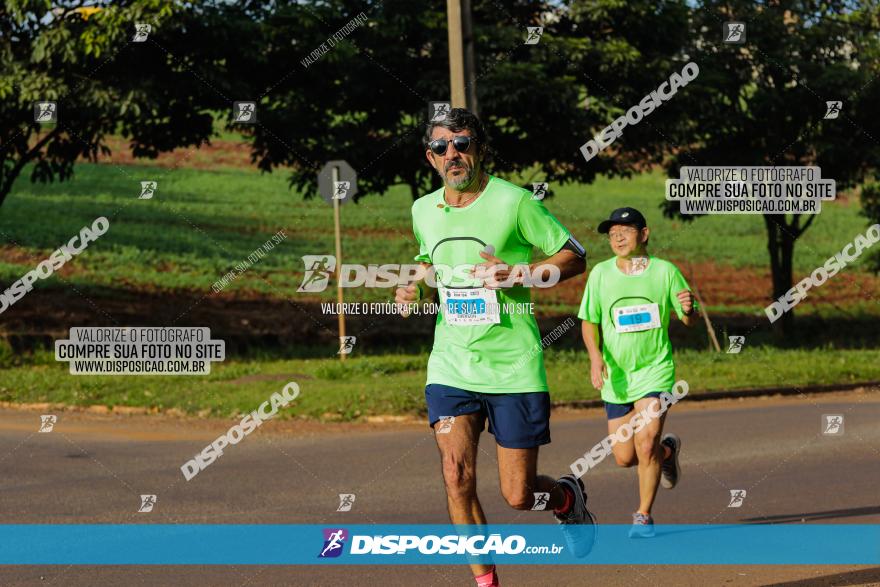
517, 420
614, 411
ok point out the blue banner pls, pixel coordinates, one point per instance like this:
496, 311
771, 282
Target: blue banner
380, 544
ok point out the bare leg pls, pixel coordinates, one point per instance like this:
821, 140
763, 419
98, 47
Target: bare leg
650, 454
458, 457
517, 472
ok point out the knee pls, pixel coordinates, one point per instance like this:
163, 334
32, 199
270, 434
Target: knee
459, 479
647, 448
518, 499
629, 460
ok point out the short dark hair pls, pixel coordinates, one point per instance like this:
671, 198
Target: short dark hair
457, 120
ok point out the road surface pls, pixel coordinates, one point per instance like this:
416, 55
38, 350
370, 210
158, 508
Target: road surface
93, 469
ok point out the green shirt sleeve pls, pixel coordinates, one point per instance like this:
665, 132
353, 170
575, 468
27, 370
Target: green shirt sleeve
424, 255
539, 227
590, 309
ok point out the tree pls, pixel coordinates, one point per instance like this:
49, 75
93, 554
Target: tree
763, 102
366, 98
157, 93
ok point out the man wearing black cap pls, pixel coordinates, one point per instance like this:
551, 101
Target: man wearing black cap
625, 311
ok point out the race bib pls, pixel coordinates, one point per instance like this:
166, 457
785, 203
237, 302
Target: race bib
637, 318
470, 306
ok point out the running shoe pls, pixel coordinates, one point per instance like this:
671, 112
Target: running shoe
643, 526
579, 524
670, 471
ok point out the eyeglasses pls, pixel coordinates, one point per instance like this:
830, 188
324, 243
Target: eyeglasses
622, 232
461, 144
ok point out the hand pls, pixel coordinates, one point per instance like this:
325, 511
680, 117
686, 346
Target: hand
598, 373
686, 299
495, 273
407, 295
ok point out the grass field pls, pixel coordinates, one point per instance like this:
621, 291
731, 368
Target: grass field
202, 223
394, 383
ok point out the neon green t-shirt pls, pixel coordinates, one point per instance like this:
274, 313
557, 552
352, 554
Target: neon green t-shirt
490, 358
633, 312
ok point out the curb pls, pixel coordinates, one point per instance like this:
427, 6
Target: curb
738, 393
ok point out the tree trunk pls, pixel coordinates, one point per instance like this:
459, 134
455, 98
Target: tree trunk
780, 246
11, 174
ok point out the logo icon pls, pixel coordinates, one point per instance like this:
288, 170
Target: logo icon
541, 501
737, 496
47, 423
319, 268
346, 344
346, 500
148, 188
439, 111
334, 541
141, 32
539, 190
534, 34
736, 344
45, 112
833, 108
245, 112
734, 33
832, 424
444, 425
340, 189
147, 503
638, 265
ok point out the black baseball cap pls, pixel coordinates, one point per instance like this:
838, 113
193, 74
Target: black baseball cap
623, 216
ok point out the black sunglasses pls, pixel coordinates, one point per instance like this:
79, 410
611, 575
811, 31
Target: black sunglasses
461, 144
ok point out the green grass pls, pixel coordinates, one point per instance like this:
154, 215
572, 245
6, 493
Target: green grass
394, 383
202, 223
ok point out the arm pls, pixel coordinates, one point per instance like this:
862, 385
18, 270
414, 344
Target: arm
498, 274
592, 340
569, 264
689, 314
418, 289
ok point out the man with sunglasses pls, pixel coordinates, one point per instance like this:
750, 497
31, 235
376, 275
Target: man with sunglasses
625, 311
487, 360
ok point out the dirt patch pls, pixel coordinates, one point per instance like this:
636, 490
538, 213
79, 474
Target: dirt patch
247, 318
219, 153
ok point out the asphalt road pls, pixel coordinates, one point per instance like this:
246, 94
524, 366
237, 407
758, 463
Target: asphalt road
92, 469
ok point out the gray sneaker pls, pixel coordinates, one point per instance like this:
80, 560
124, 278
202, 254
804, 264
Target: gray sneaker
579, 524
670, 470
643, 526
